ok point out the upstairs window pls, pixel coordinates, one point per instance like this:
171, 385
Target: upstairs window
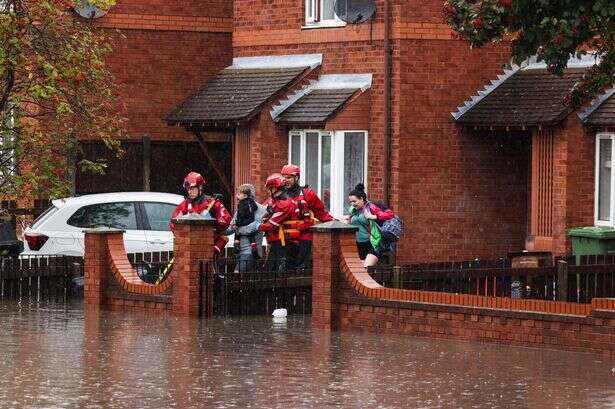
321, 13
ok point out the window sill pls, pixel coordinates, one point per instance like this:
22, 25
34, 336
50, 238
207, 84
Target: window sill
334, 24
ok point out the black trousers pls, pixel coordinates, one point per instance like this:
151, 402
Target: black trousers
299, 256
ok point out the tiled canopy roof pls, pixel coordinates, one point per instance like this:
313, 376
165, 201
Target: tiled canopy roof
234, 95
320, 100
602, 112
528, 97
317, 106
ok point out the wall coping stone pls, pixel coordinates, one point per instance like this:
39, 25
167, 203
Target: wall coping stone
103, 230
493, 312
334, 225
195, 219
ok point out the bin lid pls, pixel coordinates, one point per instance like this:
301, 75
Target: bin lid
593, 232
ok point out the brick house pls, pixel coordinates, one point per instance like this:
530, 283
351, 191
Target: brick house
526, 103
319, 101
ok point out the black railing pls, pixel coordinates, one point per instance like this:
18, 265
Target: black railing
261, 290
594, 276
589, 277
150, 266
41, 277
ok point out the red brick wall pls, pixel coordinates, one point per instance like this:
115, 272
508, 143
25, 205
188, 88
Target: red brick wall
587, 334
190, 8
465, 192
158, 69
345, 297
355, 114
581, 175
165, 52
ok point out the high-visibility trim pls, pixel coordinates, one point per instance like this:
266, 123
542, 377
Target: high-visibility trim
281, 236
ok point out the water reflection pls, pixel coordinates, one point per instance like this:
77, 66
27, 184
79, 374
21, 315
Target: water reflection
61, 356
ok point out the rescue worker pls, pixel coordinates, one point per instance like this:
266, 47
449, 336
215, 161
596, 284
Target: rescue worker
280, 210
310, 210
198, 202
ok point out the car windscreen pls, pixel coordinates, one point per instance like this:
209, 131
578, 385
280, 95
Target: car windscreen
119, 215
45, 215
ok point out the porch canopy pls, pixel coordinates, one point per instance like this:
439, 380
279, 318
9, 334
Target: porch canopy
238, 92
321, 100
522, 98
601, 112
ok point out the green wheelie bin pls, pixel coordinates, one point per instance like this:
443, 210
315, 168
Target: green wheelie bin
593, 240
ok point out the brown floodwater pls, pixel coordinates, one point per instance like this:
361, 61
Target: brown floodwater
58, 356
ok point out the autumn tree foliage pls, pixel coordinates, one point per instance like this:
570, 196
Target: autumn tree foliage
551, 30
54, 89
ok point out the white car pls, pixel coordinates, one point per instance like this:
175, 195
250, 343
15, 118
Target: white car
144, 216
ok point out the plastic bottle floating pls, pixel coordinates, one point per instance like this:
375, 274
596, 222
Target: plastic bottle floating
280, 312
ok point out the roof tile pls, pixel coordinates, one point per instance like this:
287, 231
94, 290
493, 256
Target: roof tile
604, 115
529, 97
317, 106
233, 95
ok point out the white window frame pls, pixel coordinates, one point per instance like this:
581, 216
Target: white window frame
604, 136
337, 200
315, 18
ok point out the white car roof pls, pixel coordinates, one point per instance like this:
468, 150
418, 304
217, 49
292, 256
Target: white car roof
118, 197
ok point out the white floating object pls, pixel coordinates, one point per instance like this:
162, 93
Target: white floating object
280, 312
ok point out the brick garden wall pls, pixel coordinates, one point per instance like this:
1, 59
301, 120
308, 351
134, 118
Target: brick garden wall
345, 297
112, 283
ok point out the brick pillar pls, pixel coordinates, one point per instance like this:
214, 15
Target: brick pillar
327, 246
95, 264
193, 242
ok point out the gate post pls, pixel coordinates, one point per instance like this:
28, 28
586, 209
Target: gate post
331, 240
193, 242
95, 265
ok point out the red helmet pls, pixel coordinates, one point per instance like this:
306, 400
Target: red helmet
193, 179
275, 180
291, 169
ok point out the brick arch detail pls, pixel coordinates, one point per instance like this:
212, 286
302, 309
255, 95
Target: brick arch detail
127, 276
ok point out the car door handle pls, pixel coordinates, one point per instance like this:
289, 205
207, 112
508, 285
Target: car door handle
156, 241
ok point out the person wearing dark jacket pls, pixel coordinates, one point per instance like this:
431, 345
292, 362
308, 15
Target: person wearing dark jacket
245, 223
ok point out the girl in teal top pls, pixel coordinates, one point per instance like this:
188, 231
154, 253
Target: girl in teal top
363, 215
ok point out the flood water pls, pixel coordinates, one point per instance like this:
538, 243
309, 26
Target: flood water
58, 356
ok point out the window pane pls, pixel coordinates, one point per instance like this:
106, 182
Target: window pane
78, 218
354, 154
311, 160
159, 215
328, 12
325, 171
295, 149
604, 180
118, 215
309, 9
